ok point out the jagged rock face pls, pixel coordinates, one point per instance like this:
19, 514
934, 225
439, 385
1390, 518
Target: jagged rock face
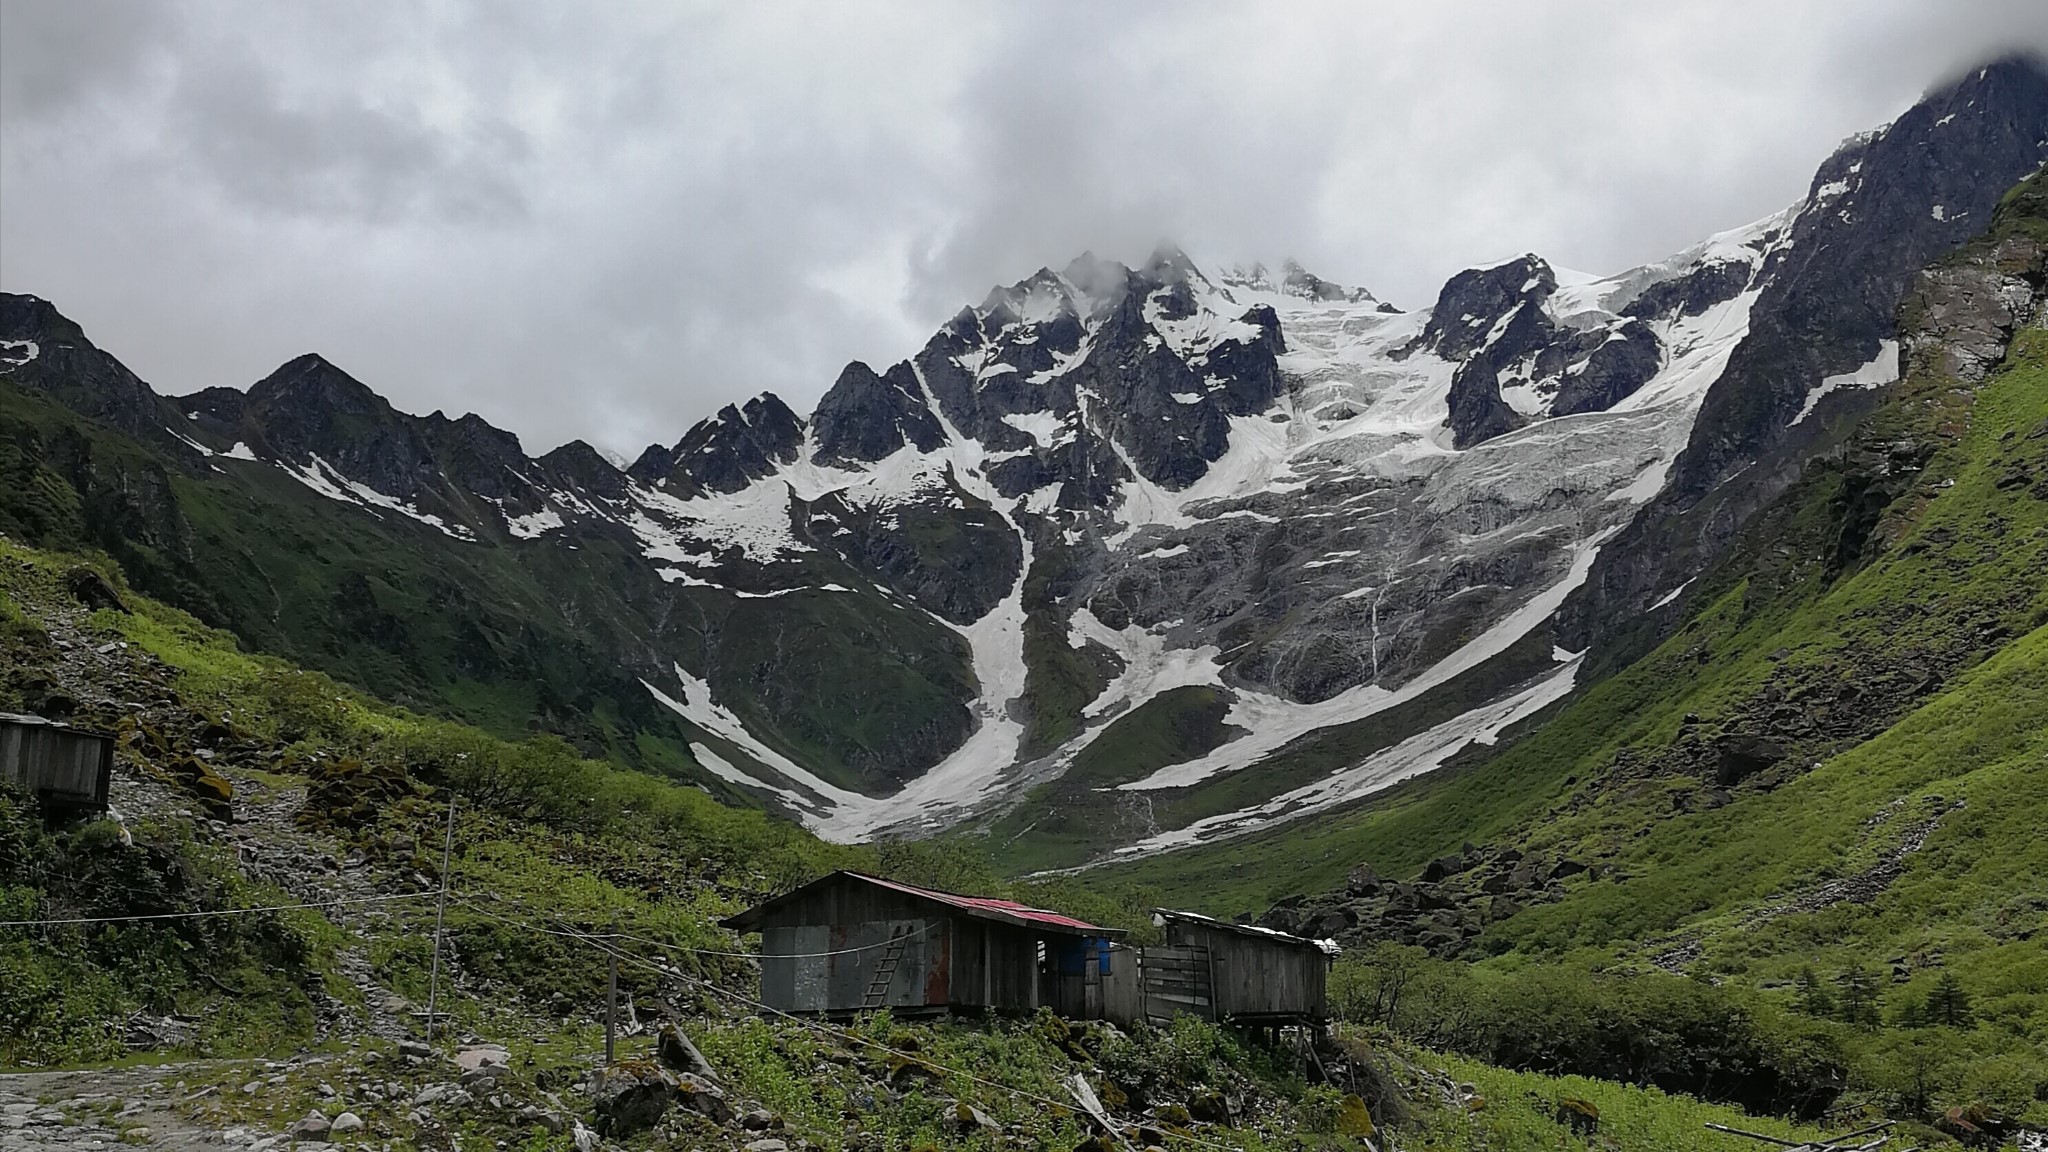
1474, 302
579, 467
475, 456
1520, 358
310, 408
740, 445
951, 552
1884, 206
1599, 369
43, 351
866, 417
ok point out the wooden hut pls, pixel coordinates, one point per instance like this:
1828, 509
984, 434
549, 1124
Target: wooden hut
1221, 971
66, 768
852, 942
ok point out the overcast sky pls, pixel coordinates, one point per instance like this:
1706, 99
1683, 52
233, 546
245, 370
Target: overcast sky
605, 220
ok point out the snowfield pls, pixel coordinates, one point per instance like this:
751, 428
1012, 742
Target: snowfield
1362, 400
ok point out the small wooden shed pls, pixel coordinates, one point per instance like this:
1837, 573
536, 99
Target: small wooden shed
68, 769
851, 942
1221, 971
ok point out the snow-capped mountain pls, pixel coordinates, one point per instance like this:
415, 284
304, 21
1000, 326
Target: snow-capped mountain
1130, 558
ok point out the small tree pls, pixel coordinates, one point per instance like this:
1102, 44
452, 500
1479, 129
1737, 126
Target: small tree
1857, 1003
1948, 1004
1812, 997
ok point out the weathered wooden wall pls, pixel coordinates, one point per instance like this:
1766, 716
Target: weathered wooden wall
995, 966
953, 960
62, 765
821, 968
1253, 978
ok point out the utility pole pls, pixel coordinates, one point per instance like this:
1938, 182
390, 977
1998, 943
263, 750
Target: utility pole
611, 1005
440, 918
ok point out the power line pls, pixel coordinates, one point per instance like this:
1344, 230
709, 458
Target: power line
215, 912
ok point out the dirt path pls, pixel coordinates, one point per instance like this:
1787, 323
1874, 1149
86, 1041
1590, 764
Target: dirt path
144, 1106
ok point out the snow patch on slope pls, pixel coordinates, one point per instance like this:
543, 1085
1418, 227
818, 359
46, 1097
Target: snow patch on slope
969, 774
328, 481
1275, 721
1883, 369
697, 706
15, 353
1423, 752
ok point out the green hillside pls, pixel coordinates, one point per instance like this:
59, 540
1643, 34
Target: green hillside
509, 635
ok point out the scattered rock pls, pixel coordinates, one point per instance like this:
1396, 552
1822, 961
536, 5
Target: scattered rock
544, 1120
968, 1119
346, 1122
632, 1096
675, 1052
1578, 1115
472, 1057
313, 1127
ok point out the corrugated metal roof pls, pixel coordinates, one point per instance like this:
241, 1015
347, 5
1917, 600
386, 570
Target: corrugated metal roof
1001, 909
1327, 947
983, 907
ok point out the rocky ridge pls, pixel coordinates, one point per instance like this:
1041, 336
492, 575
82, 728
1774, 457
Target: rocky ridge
1105, 483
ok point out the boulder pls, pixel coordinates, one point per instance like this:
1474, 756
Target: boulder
677, 1054
1208, 1105
546, 1121
1442, 867
1355, 1119
313, 1127
93, 590
1362, 881
967, 1120
1741, 757
707, 1099
632, 1096
1580, 1116
346, 1122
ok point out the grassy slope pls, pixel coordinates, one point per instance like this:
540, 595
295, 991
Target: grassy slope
547, 838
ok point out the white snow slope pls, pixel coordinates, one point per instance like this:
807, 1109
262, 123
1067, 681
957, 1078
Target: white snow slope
1354, 407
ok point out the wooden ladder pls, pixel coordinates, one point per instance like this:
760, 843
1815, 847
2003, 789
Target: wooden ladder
885, 972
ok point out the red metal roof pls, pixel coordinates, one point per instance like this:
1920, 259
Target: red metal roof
987, 908
1004, 909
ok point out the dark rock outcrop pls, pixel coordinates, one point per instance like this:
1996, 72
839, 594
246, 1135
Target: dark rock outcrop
1495, 323
1886, 205
866, 417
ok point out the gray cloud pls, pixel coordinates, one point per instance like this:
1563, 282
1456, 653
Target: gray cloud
603, 227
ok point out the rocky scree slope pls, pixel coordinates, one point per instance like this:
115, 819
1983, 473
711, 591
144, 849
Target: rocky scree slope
1295, 543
